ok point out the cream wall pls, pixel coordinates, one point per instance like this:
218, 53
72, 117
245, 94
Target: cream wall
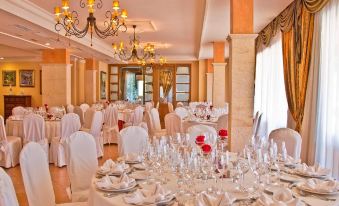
202, 80
102, 67
34, 91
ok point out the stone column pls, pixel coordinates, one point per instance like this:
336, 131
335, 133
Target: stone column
209, 80
81, 81
241, 73
56, 77
91, 81
75, 77
219, 84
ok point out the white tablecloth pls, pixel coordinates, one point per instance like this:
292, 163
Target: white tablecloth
125, 115
96, 197
15, 128
188, 123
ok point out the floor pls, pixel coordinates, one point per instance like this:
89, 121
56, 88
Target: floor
59, 178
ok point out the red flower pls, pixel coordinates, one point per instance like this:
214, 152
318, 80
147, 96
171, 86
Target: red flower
223, 133
46, 105
200, 139
206, 148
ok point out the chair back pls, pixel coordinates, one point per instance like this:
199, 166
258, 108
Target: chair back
155, 119
84, 107
70, 123
81, 160
173, 124
144, 126
138, 115
170, 107
7, 192
70, 108
96, 125
148, 106
56, 111
34, 128
88, 118
18, 111
80, 113
3, 136
132, 140
149, 123
110, 117
36, 176
222, 122
291, 138
201, 129
180, 104
182, 112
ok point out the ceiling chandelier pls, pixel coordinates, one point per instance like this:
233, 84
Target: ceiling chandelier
143, 56
68, 20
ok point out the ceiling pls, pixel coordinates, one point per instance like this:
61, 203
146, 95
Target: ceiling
183, 30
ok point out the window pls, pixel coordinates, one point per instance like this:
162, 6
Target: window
183, 80
270, 97
114, 83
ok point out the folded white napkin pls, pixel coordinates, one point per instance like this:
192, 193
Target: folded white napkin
281, 197
204, 199
150, 195
111, 182
317, 185
315, 170
133, 157
290, 160
107, 166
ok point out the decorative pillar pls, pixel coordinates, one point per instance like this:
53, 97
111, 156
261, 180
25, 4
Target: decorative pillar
209, 80
219, 81
202, 81
81, 81
241, 73
75, 79
91, 81
56, 77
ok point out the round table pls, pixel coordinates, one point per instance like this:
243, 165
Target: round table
15, 128
188, 123
96, 197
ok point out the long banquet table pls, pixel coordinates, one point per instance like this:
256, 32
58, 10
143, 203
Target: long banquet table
97, 197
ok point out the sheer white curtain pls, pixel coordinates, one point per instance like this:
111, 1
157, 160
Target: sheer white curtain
270, 96
327, 124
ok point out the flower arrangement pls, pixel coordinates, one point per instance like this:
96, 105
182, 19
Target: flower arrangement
223, 134
46, 107
206, 149
200, 140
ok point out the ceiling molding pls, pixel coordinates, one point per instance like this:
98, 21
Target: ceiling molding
204, 27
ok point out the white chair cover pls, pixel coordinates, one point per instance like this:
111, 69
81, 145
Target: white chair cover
88, 118
36, 176
84, 107
155, 119
70, 123
95, 131
144, 125
110, 125
82, 163
7, 192
201, 129
222, 122
149, 123
80, 113
138, 115
182, 112
180, 104
148, 106
70, 108
10, 147
132, 140
291, 138
170, 107
18, 111
34, 130
173, 124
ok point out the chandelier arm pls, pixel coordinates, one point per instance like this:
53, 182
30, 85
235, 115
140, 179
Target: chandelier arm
99, 4
78, 32
82, 4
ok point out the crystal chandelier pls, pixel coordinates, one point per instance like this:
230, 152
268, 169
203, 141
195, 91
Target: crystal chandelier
143, 56
68, 20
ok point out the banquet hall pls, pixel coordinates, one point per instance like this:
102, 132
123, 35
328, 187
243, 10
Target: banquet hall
169, 103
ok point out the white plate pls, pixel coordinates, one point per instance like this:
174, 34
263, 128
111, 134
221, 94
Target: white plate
289, 178
168, 199
139, 175
127, 170
308, 175
139, 166
306, 189
134, 184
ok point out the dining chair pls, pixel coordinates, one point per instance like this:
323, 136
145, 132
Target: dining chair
222, 122
19, 111
157, 131
132, 140
84, 107
110, 125
11, 147
95, 131
170, 107
82, 163
7, 191
88, 118
70, 108
36, 177
291, 138
70, 123
182, 112
173, 124
80, 113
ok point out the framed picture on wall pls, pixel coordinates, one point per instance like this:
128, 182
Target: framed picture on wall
103, 79
8, 78
26, 78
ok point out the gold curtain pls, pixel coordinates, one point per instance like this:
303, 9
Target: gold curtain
166, 80
296, 68
314, 6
